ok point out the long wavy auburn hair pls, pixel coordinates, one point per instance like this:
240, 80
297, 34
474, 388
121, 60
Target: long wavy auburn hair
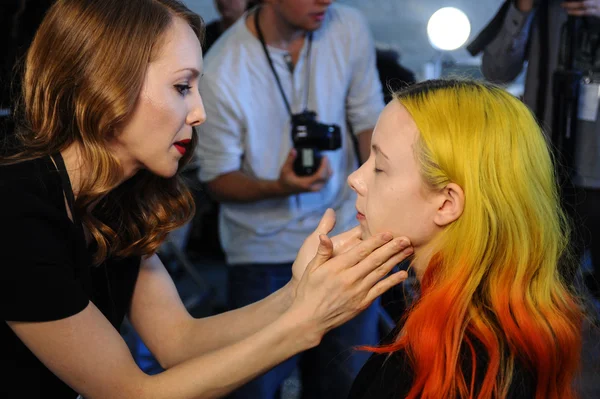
82, 78
500, 273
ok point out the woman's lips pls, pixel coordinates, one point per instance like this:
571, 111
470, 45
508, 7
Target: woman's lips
360, 217
181, 146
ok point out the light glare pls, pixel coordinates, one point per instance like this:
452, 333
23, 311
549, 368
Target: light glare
448, 29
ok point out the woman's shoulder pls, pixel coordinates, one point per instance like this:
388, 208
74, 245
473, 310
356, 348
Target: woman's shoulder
384, 375
30, 172
522, 384
28, 181
32, 200
390, 375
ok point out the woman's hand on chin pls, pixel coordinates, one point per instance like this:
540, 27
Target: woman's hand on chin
336, 287
341, 243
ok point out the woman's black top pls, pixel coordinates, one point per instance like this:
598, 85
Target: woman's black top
390, 376
46, 273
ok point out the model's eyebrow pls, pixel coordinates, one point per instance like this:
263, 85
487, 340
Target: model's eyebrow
377, 149
194, 71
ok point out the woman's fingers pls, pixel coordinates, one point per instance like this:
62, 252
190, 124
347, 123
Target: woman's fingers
384, 285
354, 256
324, 252
365, 297
374, 261
327, 222
335, 289
346, 240
371, 279
311, 243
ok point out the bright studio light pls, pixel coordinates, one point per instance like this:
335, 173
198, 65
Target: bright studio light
448, 29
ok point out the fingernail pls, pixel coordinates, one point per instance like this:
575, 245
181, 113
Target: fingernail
408, 251
387, 236
401, 243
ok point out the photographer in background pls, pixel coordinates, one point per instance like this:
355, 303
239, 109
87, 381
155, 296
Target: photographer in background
280, 88
230, 11
528, 30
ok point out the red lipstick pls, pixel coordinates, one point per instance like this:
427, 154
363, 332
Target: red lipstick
182, 145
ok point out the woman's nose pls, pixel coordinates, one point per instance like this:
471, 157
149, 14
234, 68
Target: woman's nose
356, 182
197, 114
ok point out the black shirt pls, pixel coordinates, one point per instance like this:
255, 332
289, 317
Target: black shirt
46, 274
390, 376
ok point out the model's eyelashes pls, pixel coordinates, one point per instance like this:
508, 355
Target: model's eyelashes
183, 89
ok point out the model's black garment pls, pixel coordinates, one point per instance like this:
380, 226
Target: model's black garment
46, 274
390, 377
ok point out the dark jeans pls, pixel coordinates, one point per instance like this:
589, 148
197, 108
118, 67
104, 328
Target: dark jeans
327, 371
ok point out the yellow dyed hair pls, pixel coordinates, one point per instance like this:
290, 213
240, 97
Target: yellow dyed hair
499, 273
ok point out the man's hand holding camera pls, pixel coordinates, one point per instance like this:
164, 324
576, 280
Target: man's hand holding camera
290, 183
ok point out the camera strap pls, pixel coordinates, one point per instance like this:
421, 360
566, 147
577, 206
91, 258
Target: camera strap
264, 46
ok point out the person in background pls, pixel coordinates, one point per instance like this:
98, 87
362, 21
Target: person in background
287, 70
91, 192
392, 75
528, 31
230, 11
497, 315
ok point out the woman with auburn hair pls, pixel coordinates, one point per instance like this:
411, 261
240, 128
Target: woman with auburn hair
109, 107
463, 170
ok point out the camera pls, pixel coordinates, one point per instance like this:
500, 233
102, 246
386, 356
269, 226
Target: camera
310, 138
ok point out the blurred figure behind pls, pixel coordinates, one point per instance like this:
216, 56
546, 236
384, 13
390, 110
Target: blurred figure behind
289, 69
533, 31
392, 74
230, 11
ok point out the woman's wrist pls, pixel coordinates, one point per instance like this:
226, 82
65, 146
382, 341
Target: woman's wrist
290, 292
283, 298
303, 330
302, 327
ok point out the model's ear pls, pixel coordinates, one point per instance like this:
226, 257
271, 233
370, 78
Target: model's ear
451, 202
